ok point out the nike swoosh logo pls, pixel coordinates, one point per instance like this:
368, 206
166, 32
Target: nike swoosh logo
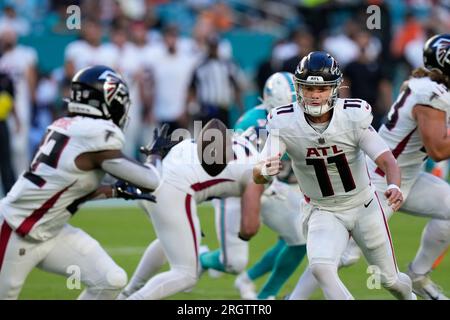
366, 205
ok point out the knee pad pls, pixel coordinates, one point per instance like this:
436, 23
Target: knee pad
116, 279
186, 279
236, 264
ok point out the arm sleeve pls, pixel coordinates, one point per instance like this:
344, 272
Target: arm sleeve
142, 176
372, 144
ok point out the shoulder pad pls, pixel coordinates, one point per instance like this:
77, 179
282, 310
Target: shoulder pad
280, 117
357, 111
430, 93
94, 134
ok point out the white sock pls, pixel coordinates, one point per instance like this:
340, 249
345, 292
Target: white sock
152, 260
305, 287
164, 285
98, 294
435, 239
328, 279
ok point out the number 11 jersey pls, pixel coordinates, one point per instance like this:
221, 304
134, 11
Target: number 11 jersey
330, 166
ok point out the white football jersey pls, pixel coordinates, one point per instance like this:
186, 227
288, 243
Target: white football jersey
45, 197
401, 133
330, 166
182, 169
83, 54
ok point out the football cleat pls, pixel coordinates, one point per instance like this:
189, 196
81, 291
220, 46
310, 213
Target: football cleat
215, 274
245, 286
424, 287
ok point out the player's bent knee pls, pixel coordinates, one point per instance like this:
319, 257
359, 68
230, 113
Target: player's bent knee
236, 265
10, 289
187, 280
116, 279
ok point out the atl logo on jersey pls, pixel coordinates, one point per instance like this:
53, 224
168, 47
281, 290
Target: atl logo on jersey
323, 151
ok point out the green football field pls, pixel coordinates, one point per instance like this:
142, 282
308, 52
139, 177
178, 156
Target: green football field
125, 232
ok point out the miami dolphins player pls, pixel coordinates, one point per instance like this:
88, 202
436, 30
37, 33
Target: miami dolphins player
283, 258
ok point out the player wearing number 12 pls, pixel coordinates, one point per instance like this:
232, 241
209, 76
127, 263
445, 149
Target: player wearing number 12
73, 157
327, 139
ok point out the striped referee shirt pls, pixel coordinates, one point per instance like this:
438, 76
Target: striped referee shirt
215, 82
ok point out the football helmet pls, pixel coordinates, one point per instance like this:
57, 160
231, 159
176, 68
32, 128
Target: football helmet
436, 53
279, 90
318, 68
100, 92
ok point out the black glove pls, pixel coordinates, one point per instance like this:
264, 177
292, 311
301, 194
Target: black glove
124, 190
161, 144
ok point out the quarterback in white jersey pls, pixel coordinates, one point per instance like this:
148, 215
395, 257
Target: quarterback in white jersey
327, 139
191, 176
73, 157
417, 128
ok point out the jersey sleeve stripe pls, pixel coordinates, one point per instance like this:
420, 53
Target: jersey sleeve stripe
398, 150
38, 181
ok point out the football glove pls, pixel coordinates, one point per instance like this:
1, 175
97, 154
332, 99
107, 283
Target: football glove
124, 190
161, 144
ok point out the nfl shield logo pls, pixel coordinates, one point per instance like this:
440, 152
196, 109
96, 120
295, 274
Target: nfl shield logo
321, 140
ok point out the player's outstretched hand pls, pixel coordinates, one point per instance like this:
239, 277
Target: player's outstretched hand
162, 143
394, 197
124, 190
271, 166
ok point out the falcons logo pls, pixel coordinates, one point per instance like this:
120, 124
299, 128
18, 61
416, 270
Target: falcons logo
114, 88
442, 51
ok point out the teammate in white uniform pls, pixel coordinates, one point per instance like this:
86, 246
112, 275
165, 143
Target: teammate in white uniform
192, 173
417, 128
280, 209
327, 139
73, 157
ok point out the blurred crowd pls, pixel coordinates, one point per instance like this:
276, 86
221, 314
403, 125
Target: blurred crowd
179, 62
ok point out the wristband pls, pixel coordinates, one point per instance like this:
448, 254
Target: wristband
393, 186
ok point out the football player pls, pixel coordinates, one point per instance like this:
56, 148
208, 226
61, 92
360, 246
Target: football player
73, 157
279, 210
327, 139
417, 129
216, 165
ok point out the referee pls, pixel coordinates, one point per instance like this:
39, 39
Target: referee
215, 86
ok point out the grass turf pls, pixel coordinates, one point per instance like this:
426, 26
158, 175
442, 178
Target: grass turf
125, 232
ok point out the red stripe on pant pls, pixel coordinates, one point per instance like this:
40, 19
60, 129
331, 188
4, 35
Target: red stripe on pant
388, 232
5, 234
187, 204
